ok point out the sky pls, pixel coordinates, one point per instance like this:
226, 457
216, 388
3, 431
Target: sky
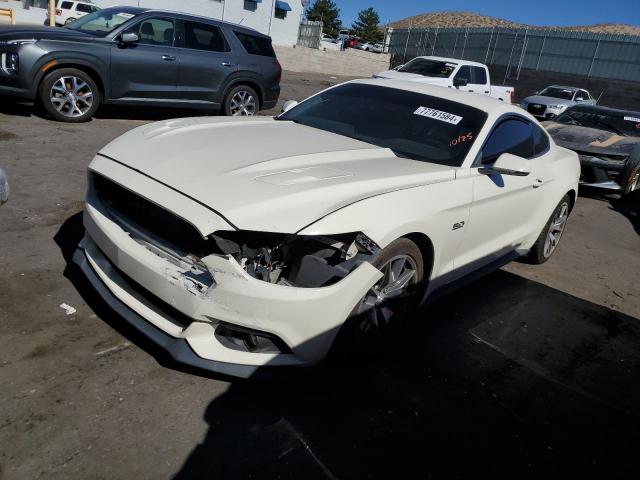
532, 12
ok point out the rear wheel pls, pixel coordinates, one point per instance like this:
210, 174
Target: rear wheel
388, 303
241, 100
549, 238
69, 95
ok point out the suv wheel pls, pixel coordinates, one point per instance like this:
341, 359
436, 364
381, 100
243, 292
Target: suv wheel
69, 95
241, 101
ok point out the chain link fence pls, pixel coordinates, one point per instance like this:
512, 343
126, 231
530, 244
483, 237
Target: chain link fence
585, 54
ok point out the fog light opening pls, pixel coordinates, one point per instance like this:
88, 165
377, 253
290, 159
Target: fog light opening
247, 340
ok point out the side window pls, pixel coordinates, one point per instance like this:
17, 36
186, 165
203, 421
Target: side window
155, 31
479, 76
251, 5
81, 7
202, 36
540, 140
464, 73
256, 45
510, 136
582, 95
66, 5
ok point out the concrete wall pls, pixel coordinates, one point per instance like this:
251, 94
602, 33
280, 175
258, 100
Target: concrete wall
350, 62
282, 31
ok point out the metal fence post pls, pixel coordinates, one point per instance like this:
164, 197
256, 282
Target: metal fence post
466, 35
435, 40
489, 45
595, 53
493, 54
510, 57
544, 40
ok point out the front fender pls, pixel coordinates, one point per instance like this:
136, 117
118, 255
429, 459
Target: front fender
431, 210
70, 58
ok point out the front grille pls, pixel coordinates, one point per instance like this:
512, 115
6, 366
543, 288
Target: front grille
152, 219
536, 109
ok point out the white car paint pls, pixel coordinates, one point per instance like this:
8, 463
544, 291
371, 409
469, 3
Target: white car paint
259, 174
501, 93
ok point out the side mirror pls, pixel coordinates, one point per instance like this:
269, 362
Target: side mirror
508, 164
128, 38
399, 67
460, 82
288, 105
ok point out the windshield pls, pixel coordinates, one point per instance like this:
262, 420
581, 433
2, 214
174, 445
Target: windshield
413, 125
620, 123
102, 22
429, 68
556, 92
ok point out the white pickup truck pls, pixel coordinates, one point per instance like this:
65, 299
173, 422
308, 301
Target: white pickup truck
452, 73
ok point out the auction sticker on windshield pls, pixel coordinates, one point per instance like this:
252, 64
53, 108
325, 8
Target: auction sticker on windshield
438, 115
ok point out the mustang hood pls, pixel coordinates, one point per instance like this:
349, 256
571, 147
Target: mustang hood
266, 175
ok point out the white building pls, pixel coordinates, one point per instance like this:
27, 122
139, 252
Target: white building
280, 19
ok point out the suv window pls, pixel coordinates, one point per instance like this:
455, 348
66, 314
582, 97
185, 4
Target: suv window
66, 5
511, 136
154, 31
81, 7
479, 76
202, 36
256, 45
464, 73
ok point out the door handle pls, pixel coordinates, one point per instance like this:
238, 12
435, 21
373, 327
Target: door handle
538, 183
227, 64
168, 58
487, 91
471, 91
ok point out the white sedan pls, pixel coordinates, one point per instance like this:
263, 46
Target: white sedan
241, 243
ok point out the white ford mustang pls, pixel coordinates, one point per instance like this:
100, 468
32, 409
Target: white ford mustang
239, 243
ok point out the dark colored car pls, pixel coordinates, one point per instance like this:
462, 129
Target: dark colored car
133, 56
607, 141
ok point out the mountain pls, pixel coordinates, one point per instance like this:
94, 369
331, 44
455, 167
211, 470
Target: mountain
470, 19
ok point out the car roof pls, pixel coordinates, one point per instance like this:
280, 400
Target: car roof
452, 60
127, 9
481, 102
564, 87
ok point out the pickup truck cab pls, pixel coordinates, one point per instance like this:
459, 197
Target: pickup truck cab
450, 72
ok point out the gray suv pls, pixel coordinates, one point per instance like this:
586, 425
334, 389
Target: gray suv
134, 56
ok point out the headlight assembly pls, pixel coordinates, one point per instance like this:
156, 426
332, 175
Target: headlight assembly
297, 260
9, 63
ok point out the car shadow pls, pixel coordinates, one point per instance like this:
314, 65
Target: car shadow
505, 377
629, 206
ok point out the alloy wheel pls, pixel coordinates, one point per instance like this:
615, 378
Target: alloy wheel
243, 104
71, 96
378, 307
555, 229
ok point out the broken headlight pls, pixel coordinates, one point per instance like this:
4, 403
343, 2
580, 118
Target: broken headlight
297, 260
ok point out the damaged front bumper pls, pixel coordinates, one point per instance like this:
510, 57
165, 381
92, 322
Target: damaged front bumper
208, 323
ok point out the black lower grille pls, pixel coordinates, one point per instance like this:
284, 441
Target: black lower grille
536, 109
152, 219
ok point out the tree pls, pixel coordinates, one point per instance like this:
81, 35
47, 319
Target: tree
327, 12
366, 26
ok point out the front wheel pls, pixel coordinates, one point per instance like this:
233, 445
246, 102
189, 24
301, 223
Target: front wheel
69, 95
241, 100
382, 311
549, 238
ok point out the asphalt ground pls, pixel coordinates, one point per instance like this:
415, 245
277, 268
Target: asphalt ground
528, 372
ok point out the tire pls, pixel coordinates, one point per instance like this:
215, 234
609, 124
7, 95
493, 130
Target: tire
241, 100
630, 175
69, 95
369, 328
548, 241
